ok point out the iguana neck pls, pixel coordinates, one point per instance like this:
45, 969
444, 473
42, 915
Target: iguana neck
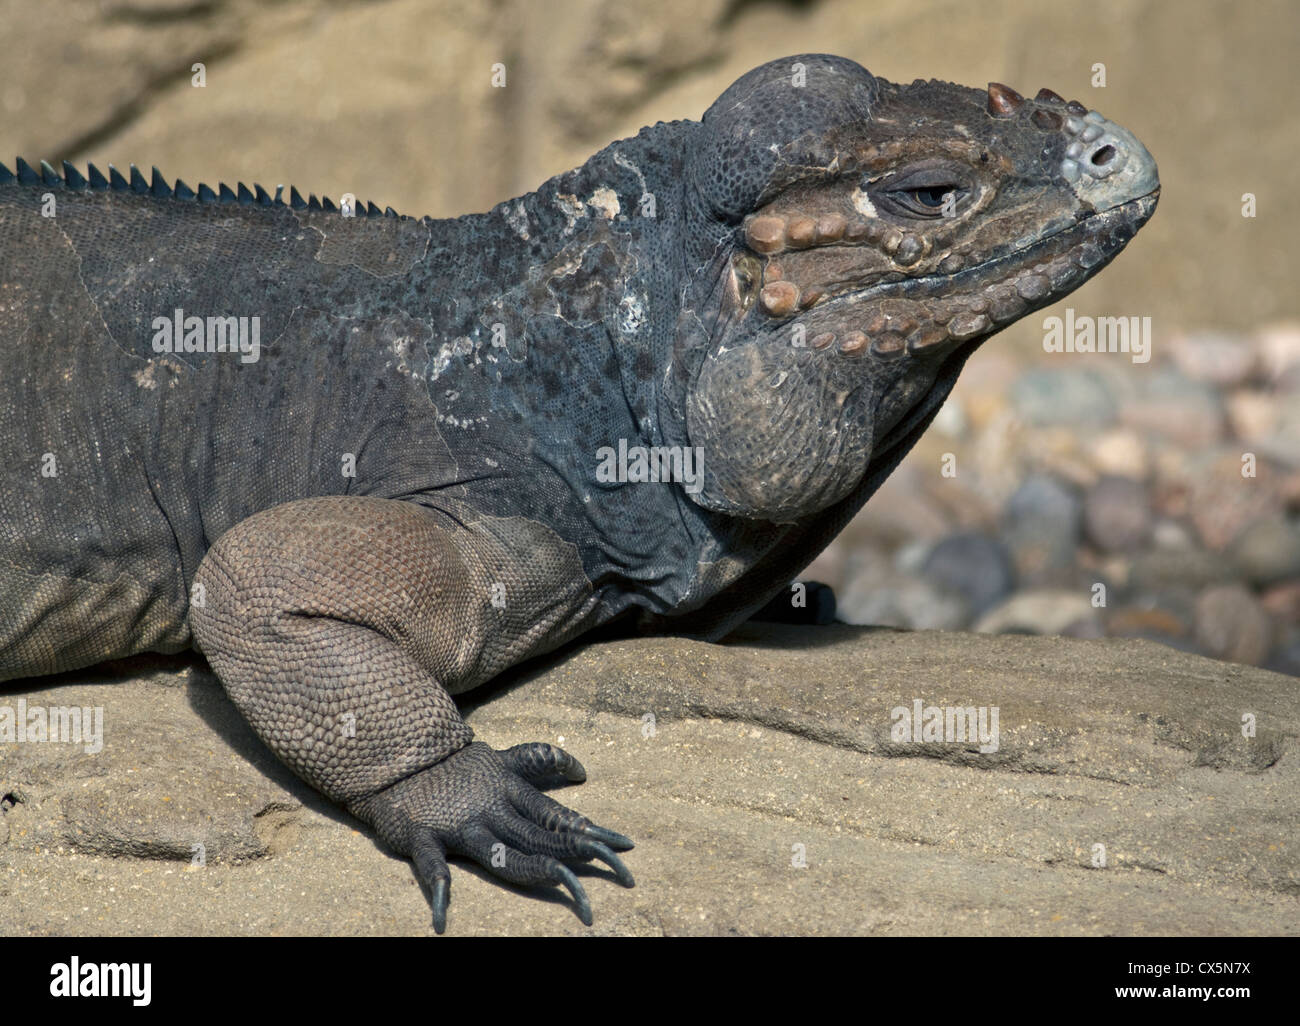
579, 278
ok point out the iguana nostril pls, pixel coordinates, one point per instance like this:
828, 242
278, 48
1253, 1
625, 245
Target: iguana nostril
1104, 156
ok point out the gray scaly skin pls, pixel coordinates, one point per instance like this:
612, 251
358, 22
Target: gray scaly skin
401, 496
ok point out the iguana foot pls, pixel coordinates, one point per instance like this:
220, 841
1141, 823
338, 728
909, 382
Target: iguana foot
482, 803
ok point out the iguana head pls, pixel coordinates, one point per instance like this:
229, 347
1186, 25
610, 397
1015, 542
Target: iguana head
853, 237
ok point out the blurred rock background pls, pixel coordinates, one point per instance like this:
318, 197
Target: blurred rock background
1072, 470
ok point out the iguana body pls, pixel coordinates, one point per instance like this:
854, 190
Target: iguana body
429, 468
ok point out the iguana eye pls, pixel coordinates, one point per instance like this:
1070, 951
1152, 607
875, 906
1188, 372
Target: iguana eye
934, 196
922, 192
925, 201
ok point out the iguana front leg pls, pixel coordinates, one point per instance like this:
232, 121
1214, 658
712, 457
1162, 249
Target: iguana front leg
337, 625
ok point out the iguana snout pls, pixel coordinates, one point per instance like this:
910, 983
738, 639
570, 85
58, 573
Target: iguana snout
892, 229
924, 211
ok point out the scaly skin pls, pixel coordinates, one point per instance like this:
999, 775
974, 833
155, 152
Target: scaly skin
403, 494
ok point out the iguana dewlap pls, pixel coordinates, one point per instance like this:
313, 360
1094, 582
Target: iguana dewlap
365, 463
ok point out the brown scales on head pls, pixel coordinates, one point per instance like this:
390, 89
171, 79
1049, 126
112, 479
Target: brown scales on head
1003, 100
828, 238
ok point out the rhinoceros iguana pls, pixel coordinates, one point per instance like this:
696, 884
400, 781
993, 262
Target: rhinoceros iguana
366, 462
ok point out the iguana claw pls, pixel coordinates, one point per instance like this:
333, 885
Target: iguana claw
483, 804
610, 837
439, 897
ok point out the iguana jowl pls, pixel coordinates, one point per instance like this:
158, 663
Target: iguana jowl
399, 492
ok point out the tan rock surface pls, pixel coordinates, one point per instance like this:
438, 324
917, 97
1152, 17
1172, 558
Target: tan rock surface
724, 763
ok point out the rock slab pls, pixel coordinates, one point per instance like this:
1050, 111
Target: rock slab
763, 778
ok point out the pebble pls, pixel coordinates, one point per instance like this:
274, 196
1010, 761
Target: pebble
1267, 550
1088, 629
1056, 451
911, 557
1289, 380
987, 409
1222, 360
1231, 625
1283, 443
1142, 622
1252, 415
898, 601
1117, 514
1171, 536
1179, 603
1173, 474
1043, 397
972, 565
1176, 407
1134, 481
1119, 452
1169, 569
1282, 601
1041, 525
951, 419
1285, 659
1221, 501
1154, 622
1044, 611
1278, 349
901, 510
